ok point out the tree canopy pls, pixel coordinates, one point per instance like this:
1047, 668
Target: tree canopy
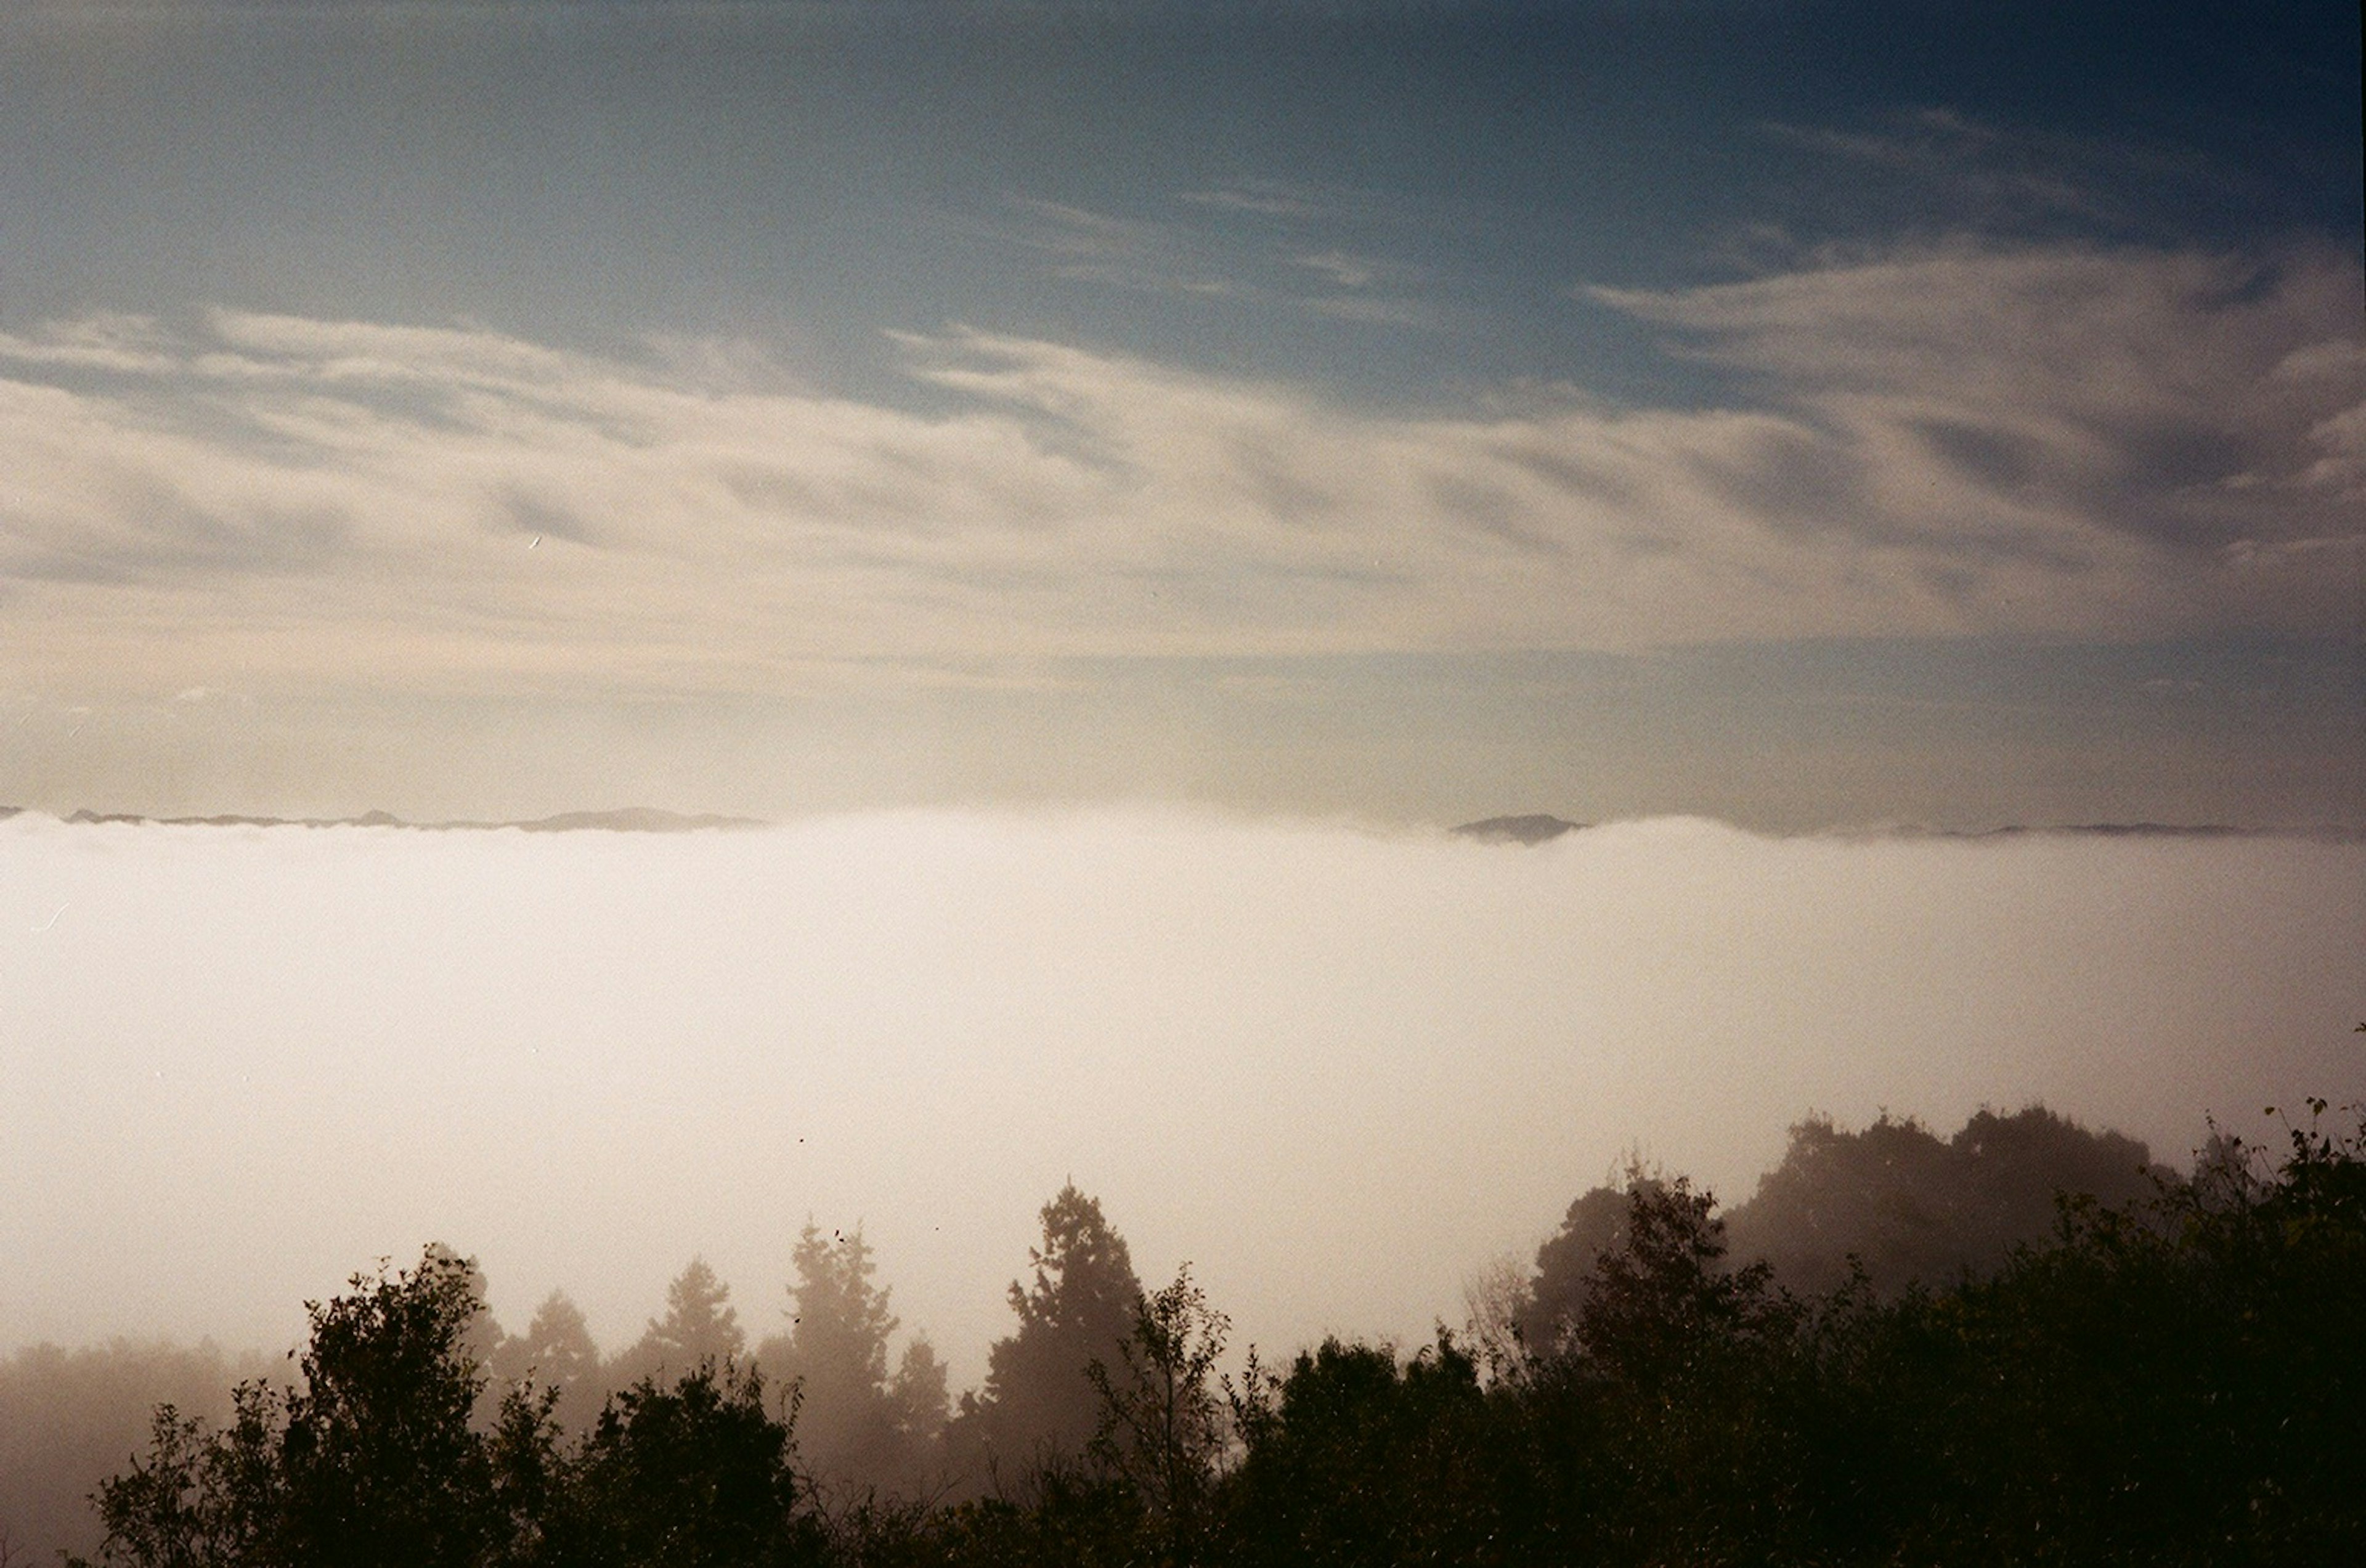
555, 1352
1078, 1308
1909, 1205
857, 1423
2173, 1381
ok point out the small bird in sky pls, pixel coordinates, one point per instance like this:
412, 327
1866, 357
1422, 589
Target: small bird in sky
537, 542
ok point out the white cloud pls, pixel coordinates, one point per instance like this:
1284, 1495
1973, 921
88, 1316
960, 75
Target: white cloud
2060, 399
105, 342
2054, 441
1205, 261
1124, 252
1336, 1069
1993, 178
1346, 271
1266, 199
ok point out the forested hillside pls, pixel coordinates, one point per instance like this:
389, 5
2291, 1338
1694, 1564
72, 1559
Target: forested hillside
2166, 1370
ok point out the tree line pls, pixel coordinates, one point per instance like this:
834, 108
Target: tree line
2166, 1372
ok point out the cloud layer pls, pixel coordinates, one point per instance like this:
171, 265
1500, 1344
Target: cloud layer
2057, 440
1336, 1070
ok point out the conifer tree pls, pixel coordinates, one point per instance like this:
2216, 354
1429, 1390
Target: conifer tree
1038, 1401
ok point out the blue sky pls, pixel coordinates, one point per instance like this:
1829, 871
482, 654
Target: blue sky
1808, 414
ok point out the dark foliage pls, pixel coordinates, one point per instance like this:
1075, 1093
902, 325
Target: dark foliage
1163, 1430
1907, 1206
375, 1458
861, 1431
68, 1418
697, 1475
1039, 1408
2171, 1383
1359, 1457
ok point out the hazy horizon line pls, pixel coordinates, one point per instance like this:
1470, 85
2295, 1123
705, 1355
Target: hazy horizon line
1524, 829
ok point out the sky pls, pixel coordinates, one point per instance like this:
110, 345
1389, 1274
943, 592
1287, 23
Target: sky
1781, 413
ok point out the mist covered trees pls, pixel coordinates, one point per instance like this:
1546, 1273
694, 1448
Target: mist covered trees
2158, 1383
371, 1458
858, 1422
1893, 1204
2173, 1381
1908, 1205
1078, 1308
377, 1455
700, 1325
68, 1418
557, 1352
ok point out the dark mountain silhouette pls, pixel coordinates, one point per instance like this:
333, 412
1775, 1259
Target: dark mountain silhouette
2323, 833
625, 820
1533, 828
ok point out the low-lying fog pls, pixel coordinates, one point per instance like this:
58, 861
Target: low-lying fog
1338, 1070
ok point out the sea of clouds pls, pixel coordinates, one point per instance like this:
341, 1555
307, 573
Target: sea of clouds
1338, 1069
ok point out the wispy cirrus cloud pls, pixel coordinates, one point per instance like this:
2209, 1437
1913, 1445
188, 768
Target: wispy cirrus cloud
1273, 265
2046, 440
1266, 199
1347, 270
1981, 174
1942, 170
105, 342
1099, 247
2141, 391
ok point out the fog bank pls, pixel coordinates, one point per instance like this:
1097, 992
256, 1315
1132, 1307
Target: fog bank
1338, 1070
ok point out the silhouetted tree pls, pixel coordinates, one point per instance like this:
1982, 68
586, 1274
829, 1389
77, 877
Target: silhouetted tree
1497, 1308
2175, 1384
1910, 1206
556, 1353
695, 1475
1038, 1400
1595, 1224
378, 1457
836, 1353
172, 1508
371, 1458
1661, 1299
1360, 1460
700, 1325
1163, 1425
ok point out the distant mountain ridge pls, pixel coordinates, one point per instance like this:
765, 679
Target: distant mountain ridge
625, 819
2323, 833
1526, 828
1532, 829
1537, 828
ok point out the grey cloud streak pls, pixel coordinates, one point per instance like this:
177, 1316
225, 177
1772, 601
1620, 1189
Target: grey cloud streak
1189, 259
1993, 179
2056, 441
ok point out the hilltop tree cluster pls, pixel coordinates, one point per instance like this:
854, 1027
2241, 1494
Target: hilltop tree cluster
2167, 1371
